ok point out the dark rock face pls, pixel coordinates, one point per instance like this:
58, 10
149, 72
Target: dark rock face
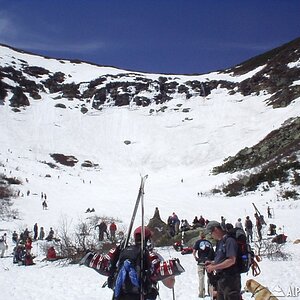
66, 160
35, 71
19, 98
276, 77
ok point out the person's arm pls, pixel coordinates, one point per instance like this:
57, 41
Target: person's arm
195, 254
228, 262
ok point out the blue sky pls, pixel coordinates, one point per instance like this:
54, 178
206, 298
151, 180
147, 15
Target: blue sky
163, 36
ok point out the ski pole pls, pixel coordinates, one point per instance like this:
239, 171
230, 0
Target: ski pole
142, 246
173, 293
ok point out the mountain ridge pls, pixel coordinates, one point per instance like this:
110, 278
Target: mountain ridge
62, 85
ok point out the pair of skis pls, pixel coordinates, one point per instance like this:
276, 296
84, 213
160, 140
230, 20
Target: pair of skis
139, 200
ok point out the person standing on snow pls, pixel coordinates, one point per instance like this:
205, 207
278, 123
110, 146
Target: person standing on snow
224, 264
42, 233
102, 228
112, 231
249, 229
125, 276
3, 245
203, 251
258, 226
239, 224
35, 231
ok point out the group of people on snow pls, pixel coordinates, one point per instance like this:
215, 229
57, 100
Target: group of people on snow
102, 228
23, 244
137, 268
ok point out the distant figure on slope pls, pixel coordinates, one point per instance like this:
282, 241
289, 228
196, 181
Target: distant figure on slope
15, 237
223, 222
239, 224
28, 245
3, 245
269, 212
35, 231
102, 228
51, 254
50, 236
249, 229
258, 226
45, 205
175, 222
42, 233
112, 231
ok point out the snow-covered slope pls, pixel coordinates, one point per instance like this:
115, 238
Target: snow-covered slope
176, 142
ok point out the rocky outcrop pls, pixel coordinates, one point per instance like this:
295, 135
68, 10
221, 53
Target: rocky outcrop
19, 98
276, 77
275, 158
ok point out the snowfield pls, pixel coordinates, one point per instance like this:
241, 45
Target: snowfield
177, 150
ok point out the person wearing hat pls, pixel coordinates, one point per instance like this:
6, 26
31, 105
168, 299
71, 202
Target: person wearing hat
202, 252
124, 268
224, 264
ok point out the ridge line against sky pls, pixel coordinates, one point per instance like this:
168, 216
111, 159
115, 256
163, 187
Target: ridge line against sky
180, 37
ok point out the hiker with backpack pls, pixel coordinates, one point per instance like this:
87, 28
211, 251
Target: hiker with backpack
131, 277
203, 251
225, 263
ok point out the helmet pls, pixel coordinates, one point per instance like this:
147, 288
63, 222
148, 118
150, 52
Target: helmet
138, 231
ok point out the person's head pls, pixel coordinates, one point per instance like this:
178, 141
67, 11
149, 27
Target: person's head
247, 218
215, 229
228, 227
138, 234
202, 235
239, 219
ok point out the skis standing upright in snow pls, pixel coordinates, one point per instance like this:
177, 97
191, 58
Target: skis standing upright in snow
137, 203
143, 246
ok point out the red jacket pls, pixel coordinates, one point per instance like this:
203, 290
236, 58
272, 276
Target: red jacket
113, 227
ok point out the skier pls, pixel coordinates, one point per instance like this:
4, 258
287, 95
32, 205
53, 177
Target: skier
130, 276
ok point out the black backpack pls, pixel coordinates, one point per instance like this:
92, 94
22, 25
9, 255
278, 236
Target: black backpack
129, 278
245, 255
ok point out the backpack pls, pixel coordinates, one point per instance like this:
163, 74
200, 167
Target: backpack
205, 250
245, 255
129, 278
2, 239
